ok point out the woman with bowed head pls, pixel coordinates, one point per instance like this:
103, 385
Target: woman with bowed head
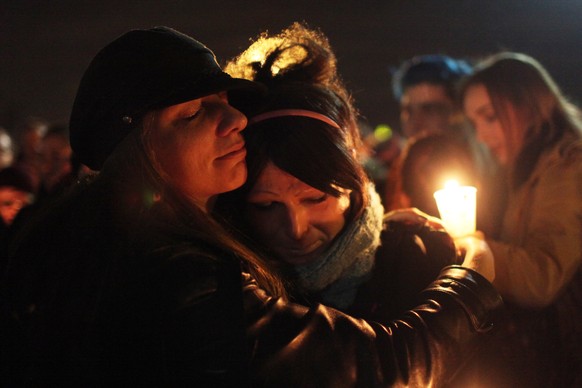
308, 202
129, 279
536, 135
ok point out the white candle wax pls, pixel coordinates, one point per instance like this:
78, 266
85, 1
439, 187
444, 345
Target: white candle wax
458, 207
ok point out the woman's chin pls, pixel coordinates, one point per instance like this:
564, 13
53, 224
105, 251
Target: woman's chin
300, 260
296, 258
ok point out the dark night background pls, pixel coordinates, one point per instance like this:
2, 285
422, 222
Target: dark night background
46, 45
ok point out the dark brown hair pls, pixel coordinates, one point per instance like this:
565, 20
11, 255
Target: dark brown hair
299, 68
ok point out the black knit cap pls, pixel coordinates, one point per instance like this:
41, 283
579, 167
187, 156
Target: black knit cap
140, 71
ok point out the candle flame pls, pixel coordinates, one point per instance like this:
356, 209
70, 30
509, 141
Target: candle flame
457, 207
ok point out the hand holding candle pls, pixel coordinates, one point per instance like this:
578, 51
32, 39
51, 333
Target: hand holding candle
477, 255
458, 207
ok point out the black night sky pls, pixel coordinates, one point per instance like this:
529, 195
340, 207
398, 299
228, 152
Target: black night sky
46, 45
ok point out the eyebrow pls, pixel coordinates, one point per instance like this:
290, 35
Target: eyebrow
261, 192
308, 191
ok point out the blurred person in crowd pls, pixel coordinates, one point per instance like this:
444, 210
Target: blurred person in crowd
16, 193
6, 148
307, 201
427, 163
130, 280
425, 87
56, 163
384, 146
536, 135
29, 135
56, 173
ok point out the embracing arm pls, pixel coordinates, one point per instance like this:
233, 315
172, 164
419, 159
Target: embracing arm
295, 346
216, 334
410, 258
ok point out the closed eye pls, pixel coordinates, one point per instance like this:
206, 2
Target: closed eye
317, 200
263, 205
194, 115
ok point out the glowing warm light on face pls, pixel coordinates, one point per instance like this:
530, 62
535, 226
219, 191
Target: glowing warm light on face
458, 207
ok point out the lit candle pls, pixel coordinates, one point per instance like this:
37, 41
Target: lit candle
458, 207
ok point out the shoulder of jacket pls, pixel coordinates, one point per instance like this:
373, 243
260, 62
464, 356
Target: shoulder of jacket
566, 153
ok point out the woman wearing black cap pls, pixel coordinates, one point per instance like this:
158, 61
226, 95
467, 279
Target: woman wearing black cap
129, 280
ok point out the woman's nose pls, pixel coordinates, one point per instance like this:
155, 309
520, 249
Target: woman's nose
233, 120
298, 223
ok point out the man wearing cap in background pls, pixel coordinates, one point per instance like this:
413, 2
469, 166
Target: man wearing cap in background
130, 281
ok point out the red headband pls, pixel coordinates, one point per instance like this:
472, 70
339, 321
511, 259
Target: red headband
293, 112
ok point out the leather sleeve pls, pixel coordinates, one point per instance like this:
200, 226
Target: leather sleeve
409, 259
295, 346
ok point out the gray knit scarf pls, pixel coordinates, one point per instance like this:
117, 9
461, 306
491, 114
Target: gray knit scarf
349, 260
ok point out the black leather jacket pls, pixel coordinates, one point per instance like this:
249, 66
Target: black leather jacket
324, 348
95, 303
408, 260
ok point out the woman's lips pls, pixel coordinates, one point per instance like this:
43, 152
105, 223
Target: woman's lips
306, 249
235, 153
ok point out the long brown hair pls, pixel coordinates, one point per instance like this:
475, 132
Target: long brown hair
135, 161
518, 82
